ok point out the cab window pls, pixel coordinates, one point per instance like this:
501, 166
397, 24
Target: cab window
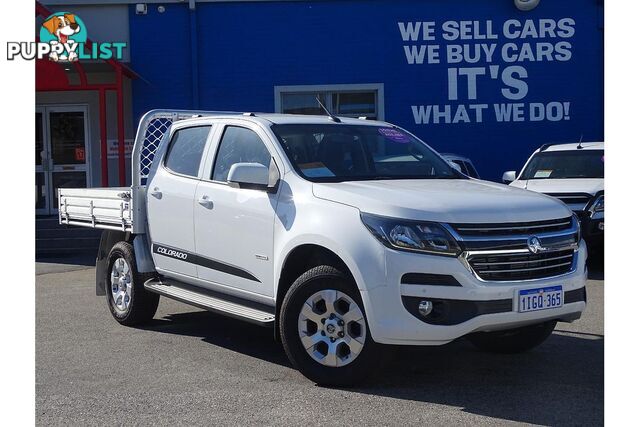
185, 151
238, 145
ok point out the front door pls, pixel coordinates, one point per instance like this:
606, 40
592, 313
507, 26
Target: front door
234, 226
61, 153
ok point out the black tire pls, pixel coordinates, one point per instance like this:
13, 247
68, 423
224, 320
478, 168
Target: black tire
320, 278
143, 304
513, 340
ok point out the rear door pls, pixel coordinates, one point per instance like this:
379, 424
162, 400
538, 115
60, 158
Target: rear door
170, 201
234, 226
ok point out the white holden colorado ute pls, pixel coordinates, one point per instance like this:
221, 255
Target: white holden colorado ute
343, 235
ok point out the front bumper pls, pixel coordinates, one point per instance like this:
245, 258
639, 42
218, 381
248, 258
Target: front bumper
391, 321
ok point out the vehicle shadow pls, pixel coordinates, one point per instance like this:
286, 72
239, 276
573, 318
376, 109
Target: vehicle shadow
232, 334
81, 258
560, 382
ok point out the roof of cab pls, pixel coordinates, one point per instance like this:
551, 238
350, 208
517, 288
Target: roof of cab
574, 146
287, 119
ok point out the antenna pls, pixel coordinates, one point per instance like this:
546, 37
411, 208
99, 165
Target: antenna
331, 116
580, 147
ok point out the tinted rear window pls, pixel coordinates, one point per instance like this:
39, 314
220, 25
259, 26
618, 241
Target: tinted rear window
185, 151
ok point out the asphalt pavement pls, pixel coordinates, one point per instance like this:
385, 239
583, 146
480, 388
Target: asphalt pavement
193, 367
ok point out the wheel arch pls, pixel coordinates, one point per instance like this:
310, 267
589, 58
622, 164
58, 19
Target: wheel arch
300, 259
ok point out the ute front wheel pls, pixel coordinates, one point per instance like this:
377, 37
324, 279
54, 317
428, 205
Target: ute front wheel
324, 328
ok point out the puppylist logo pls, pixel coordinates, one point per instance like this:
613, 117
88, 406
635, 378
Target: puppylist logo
63, 38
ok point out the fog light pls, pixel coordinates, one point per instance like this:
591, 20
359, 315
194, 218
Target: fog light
425, 308
601, 226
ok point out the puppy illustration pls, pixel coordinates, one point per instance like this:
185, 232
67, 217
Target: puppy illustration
62, 27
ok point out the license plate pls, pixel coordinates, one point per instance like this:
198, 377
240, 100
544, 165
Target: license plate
540, 298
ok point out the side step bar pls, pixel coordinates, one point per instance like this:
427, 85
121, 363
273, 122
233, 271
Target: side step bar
213, 301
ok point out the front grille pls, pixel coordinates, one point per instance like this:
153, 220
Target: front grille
512, 228
521, 266
502, 252
572, 198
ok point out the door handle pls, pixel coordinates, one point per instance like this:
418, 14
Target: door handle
156, 193
206, 202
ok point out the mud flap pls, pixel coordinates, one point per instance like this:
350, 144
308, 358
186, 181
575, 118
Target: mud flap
107, 240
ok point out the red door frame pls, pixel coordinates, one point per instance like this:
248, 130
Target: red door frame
121, 71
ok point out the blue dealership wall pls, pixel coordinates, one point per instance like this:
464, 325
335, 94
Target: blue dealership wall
229, 56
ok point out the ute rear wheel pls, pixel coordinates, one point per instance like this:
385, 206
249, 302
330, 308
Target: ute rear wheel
324, 330
513, 340
130, 304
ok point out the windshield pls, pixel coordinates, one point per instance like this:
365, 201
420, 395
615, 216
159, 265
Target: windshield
565, 164
340, 152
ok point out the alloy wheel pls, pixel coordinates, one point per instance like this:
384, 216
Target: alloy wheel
121, 284
332, 328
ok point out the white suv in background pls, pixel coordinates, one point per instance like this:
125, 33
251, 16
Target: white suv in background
573, 173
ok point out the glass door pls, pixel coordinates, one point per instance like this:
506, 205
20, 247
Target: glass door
63, 153
42, 166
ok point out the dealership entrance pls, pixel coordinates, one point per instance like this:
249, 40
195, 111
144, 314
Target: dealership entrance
62, 150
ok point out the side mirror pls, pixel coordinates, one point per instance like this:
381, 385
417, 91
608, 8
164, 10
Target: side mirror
509, 177
254, 176
455, 166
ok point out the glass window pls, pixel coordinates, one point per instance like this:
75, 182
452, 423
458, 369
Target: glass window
302, 103
67, 137
340, 152
350, 103
565, 164
185, 151
239, 145
355, 103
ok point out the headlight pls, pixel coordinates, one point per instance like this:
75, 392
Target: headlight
598, 205
415, 236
